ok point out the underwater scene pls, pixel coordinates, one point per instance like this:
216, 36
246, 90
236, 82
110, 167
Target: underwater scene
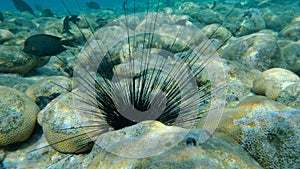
149, 84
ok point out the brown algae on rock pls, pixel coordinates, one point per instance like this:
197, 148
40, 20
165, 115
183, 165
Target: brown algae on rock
17, 116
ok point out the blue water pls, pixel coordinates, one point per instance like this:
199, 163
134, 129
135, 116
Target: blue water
57, 5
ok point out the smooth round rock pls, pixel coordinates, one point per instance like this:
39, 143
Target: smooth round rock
218, 32
17, 116
14, 60
63, 126
5, 35
269, 82
291, 31
274, 21
290, 54
258, 50
48, 86
251, 25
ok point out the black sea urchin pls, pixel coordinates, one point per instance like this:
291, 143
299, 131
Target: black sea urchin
146, 66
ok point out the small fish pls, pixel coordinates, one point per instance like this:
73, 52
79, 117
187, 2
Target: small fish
47, 13
74, 19
93, 5
66, 26
213, 5
43, 45
22, 6
1, 17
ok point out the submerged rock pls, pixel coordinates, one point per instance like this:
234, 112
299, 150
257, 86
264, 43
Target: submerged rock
217, 32
17, 81
17, 116
258, 50
14, 60
63, 125
251, 25
291, 31
151, 144
279, 84
49, 86
268, 130
208, 16
36, 153
290, 54
274, 21
5, 35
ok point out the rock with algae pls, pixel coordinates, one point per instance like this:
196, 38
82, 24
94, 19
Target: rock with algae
151, 144
268, 130
17, 116
290, 52
258, 50
36, 153
280, 85
292, 30
14, 60
48, 86
63, 125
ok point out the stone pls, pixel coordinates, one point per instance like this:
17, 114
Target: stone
208, 16
268, 130
291, 31
18, 24
36, 153
274, 21
290, 94
278, 84
258, 50
49, 86
14, 60
64, 125
17, 116
17, 81
217, 32
151, 144
5, 35
251, 25
290, 54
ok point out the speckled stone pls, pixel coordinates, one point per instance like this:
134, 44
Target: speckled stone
208, 16
63, 125
290, 54
217, 32
17, 116
274, 21
36, 153
14, 60
251, 25
291, 31
5, 35
48, 86
289, 94
279, 84
268, 130
17, 81
19, 23
258, 50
